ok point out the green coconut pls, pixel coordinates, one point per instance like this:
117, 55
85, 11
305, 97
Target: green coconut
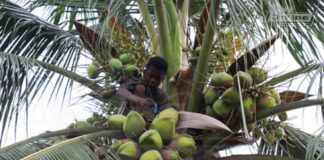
151, 139
221, 109
211, 95
249, 108
283, 116
170, 113
270, 138
274, 93
134, 125
116, 121
151, 155
128, 151
169, 154
184, 144
245, 79
280, 133
197, 50
165, 126
222, 79
231, 96
108, 92
82, 124
131, 69
115, 64
193, 60
265, 102
210, 112
126, 58
258, 75
118, 142
93, 70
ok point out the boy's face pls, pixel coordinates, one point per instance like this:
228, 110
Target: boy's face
153, 77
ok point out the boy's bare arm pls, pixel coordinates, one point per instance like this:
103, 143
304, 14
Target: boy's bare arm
125, 94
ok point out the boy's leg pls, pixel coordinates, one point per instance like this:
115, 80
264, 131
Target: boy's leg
140, 91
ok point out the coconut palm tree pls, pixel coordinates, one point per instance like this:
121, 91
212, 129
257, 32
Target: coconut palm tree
232, 35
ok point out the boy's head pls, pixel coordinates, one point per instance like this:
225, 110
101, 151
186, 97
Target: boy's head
155, 71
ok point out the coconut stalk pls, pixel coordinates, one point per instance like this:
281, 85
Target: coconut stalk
166, 47
294, 73
174, 28
149, 25
183, 18
202, 66
284, 107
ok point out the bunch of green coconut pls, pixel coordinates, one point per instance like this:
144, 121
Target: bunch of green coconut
116, 70
95, 121
223, 97
122, 65
147, 141
270, 129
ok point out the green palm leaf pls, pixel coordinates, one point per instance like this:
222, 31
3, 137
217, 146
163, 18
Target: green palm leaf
26, 35
70, 149
19, 150
76, 148
315, 146
301, 38
23, 64
37, 143
297, 144
37, 147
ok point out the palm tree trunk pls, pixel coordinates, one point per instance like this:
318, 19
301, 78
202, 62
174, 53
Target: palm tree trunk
183, 18
202, 67
166, 47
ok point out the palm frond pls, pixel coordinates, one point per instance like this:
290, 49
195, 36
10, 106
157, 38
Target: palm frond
254, 19
63, 13
301, 37
39, 142
19, 150
27, 64
309, 31
76, 148
315, 147
297, 144
200, 121
26, 35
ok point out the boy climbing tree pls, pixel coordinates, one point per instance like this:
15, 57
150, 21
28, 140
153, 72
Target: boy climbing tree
143, 94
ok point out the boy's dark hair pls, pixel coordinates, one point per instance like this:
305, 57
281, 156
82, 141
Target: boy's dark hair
159, 63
